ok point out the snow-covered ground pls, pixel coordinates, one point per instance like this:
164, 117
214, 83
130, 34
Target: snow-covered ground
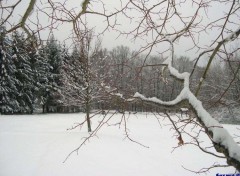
37, 145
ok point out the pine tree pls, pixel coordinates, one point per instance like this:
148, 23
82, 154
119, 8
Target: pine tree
53, 54
41, 74
9, 82
23, 73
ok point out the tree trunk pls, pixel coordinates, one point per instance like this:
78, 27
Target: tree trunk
88, 115
88, 107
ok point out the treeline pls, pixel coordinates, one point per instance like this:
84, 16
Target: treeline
53, 78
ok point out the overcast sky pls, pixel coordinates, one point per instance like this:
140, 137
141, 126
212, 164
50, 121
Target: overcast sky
110, 39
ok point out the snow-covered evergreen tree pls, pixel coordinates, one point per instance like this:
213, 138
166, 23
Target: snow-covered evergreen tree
29, 70
41, 74
53, 53
23, 73
8, 88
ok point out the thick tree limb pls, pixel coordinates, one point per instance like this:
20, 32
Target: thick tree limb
222, 141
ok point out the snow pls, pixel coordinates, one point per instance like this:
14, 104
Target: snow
232, 36
38, 144
184, 109
14, 56
220, 135
119, 95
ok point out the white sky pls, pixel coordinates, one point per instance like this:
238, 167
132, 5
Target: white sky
110, 37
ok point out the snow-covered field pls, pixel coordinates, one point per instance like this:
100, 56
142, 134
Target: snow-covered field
37, 145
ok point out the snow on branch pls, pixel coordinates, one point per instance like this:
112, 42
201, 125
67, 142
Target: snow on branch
222, 140
232, 36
